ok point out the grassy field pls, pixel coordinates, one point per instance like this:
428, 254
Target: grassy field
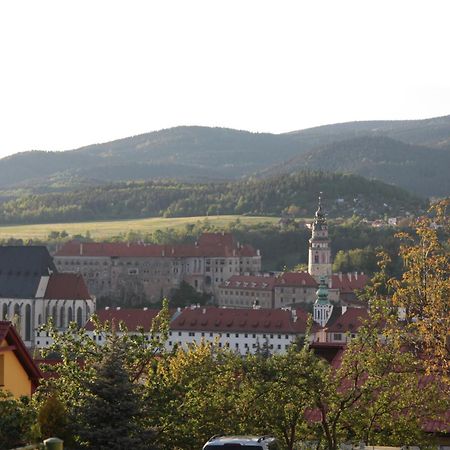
99, 230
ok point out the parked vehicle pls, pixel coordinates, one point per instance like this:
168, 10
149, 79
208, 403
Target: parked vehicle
242, 442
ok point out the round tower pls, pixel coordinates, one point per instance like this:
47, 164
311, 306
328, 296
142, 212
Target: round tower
319, 257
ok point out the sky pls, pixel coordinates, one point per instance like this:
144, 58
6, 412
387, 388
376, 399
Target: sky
74, 73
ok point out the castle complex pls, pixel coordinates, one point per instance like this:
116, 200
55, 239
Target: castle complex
216, 264
151, 272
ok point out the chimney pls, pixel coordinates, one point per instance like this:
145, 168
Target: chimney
145, 308
106, 308
81, 249
258, 253
356, 275
349, 276
340, 276
118, 308
204, 311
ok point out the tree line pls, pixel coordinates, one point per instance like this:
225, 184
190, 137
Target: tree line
345, 195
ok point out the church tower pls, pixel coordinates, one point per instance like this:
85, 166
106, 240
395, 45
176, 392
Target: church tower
319, 257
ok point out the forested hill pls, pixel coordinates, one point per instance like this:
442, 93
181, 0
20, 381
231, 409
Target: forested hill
344, 195
434, 132
202, 154
422, 170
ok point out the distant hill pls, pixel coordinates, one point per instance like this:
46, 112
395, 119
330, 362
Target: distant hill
434, 132
344, 195
422, 170
202, 154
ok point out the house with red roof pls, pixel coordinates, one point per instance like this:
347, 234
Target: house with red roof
149, 271
32, 291
294, 288
19, 374
247, 291
241, 330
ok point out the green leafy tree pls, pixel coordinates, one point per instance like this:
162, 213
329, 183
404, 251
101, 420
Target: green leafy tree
195, 394
16, 421
276, 395
186, 295
53, 420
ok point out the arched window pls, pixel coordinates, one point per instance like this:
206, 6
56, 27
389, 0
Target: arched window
55, 315
62, 317
5, 312
28, 323
316, 257
79, 317
69, 315
88, 312
17, 310
40, 319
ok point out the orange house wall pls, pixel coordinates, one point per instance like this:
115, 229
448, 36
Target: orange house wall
16, 380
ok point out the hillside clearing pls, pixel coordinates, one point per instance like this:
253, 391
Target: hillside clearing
102, 230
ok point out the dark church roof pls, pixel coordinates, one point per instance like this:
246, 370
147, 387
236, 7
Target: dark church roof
21, 268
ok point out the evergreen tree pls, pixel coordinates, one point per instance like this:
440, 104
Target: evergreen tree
110, 417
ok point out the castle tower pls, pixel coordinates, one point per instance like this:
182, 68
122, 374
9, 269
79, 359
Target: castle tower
319, 257
322, 306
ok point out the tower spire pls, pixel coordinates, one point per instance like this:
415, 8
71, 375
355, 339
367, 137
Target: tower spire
319, 263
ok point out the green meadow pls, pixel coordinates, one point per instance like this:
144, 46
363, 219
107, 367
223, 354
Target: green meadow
105, 229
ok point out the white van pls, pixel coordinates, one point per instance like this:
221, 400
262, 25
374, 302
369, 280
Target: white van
242, 442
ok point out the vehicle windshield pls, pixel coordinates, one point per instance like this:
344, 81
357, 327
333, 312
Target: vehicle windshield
232, 447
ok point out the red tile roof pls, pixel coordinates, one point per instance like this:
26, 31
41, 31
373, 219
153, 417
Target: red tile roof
348, 282
240, 320
251, 282
350, 321
222, 239
66, 286
209, 245
132, 318
9, 333
296, 279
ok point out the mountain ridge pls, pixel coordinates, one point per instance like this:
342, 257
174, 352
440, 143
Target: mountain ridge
196, 153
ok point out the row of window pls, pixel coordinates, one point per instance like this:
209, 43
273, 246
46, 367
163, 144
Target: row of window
237, 335
247, 293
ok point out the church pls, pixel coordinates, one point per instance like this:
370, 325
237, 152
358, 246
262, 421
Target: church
32, 291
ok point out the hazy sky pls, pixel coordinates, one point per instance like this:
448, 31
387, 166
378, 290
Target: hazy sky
78, 72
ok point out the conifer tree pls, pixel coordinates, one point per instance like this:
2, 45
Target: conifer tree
110, 417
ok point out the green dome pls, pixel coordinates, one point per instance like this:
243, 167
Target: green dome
322, 292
